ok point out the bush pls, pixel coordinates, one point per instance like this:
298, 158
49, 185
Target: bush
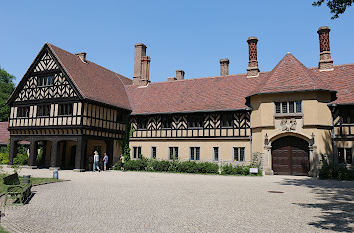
136, 165
21, 159
4, 158
329, 171
229, 169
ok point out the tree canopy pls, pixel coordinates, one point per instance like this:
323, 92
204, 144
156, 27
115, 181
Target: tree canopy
337, 7
7, 86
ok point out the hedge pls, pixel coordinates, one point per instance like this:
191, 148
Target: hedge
144, 164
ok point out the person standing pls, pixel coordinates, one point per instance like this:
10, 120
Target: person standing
96, 161
105, 161
122, 163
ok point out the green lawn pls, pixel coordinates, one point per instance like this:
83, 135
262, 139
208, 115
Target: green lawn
2, 230
35, 181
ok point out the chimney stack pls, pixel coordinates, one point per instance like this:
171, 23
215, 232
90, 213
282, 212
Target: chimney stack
141, 65
252, 69
179, 74
145, 68
224, 67
326, 62
82, 56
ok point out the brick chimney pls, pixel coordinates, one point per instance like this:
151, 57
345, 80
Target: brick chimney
179, 74
140, 58
224, 66
145, 68
82, 56
326, 62
252, 69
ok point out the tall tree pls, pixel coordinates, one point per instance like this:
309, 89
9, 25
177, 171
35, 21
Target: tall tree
337, 7
7, 86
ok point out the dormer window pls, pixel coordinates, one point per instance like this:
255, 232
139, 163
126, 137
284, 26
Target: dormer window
289, 107
45, 81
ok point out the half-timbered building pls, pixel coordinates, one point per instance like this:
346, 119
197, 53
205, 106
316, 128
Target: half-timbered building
290, 115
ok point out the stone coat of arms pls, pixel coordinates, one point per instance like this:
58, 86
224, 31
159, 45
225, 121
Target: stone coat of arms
288, 124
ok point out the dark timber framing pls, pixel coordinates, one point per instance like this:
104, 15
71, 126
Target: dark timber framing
90, 120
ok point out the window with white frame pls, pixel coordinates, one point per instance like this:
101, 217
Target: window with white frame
173, 153
216, 153
194, 153
288, 107
136, 152
153, 152
239, 154
345, 155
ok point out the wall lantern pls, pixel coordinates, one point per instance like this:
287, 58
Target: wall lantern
266, 140
312, 140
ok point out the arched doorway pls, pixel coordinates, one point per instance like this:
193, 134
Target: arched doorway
290, 156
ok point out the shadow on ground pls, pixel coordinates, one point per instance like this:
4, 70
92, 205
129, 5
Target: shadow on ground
336, 202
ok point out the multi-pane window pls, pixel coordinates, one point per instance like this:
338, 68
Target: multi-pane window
173, 153
136, 152
288, 107
196, 121
166, 122
43, 110
227, 120
216, 153
153, 152
195, 153
23, 111
239, 154
345, 155
45, 81
65, 109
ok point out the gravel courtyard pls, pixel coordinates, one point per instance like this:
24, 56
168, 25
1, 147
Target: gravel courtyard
158, 202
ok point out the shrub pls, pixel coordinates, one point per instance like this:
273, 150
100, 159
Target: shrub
136, 164
4, 158
329, 171
21, 159
228, 169
207, 167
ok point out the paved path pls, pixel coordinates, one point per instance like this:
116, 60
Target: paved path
158, 202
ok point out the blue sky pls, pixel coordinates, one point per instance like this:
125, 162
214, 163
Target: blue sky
188, 35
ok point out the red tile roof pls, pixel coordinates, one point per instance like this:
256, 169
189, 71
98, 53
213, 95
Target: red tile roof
340, 79
229, 92
220, 93
94, 82
190, 95
290, 75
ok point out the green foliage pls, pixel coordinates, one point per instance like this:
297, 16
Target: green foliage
144, 164
21, 159
337, 7
330, 171
7, 86
4, 158
229, 169
40, 156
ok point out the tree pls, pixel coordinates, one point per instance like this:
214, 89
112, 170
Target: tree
337, 7
7, 86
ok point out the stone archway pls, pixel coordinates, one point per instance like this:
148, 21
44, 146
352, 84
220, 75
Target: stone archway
290, 156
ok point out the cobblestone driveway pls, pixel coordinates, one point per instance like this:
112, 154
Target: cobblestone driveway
157, 202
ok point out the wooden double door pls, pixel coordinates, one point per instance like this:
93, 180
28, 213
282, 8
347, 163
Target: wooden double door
290, 156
